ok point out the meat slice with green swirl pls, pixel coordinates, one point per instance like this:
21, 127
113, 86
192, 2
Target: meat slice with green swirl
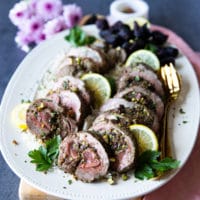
121, 144
83, 155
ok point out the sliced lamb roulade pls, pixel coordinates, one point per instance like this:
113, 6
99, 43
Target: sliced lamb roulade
84, 156
98, 58
120, 142
140, 75
137, 114
145, 97
73, 84
71, 103
45, 119
80, 60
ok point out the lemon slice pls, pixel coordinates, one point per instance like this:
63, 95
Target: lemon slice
140, 20
145, 57
18, 116
98, 86
146, 139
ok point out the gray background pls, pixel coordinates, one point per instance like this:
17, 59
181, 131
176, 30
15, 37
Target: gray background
181, 16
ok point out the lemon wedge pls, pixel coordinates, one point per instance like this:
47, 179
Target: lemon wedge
18, 116
98, 86
145, 57
145, 138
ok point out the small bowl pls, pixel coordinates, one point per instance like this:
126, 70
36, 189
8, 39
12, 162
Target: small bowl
126, 9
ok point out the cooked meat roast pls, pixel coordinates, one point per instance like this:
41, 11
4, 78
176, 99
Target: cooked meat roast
45, 119
73, 84
83, 60
120, 142
84, 156
143, 96
95, 142
142, 76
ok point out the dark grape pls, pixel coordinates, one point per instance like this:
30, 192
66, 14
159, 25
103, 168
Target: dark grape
172, 51
102, 24
141, 32
159, 38
167, 60
164, 52
130, 47
117, 26
125, 33
105, 33
114, 40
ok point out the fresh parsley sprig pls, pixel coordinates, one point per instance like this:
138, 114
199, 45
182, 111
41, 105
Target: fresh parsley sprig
149, 166
77, 37
45, 156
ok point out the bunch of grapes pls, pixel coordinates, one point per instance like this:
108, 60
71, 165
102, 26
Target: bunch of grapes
141, 37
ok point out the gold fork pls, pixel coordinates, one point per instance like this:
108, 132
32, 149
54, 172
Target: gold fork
172, 84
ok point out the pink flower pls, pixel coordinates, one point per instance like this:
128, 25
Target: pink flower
39, 37
19, 13
49, 9
54, 26
23, 40
34, 25
32, 6
72, 14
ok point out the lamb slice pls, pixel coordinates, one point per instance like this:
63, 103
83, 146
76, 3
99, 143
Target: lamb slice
45, 119
115, 103
95, 161
73, 84
120, 142
95, 55
114, 56
113, 116
84, 156
69, 153
140, 75
145, 97
137, 114
74, 66
70, 102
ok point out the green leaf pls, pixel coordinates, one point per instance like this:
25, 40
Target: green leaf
148, 165
77, 37
165, 164
46, 155
148, 156
52, 147
151, 47
144, 172
39, 158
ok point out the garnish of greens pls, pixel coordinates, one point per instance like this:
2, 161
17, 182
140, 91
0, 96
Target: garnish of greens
149, 166
46, 155
77, 37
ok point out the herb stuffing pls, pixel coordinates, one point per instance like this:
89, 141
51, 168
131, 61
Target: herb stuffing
149, 165
77, 37
181, 111
45, 156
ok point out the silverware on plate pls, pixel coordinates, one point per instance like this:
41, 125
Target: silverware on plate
172, 84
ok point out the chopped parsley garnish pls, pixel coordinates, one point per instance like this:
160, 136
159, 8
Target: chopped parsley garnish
185, 122
69, 181
151, 47
137, 78
77, 37
45, 156
149, 165
25, 101
181, 111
